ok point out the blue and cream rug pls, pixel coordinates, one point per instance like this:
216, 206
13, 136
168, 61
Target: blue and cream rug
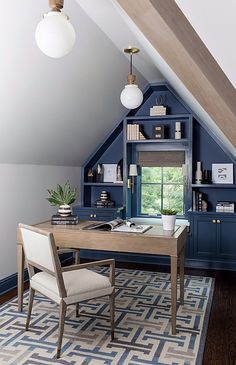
143, 326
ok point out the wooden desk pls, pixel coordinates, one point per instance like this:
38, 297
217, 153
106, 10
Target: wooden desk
154, 241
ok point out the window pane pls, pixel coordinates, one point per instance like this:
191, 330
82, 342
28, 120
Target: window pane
173, 197
172, 175
150, 199
151, 174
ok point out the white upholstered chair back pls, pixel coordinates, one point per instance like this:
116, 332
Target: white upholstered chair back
38, 247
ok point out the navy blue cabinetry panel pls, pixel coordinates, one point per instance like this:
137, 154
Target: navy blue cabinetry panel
204, 237
95, 214
227, 238
213, 240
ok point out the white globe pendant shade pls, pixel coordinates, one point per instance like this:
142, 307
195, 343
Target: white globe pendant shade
54, 35
131, 96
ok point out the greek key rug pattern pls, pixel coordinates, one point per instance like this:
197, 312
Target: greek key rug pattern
143, 326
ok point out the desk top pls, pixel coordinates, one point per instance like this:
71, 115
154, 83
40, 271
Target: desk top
153, 241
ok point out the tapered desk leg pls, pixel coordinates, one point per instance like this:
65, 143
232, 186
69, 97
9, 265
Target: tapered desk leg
181, 276
174, 265
20, 266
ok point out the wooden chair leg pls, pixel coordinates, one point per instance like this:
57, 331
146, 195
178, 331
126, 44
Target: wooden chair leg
77, 310
112, 314
31, 299
77, 257
62, 314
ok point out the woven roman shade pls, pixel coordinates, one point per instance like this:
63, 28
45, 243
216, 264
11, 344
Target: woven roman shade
161, 158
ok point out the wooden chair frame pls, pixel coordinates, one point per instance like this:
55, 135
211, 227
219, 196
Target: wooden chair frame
58, 270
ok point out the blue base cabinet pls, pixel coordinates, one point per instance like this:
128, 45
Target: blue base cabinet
96, 214
214, 240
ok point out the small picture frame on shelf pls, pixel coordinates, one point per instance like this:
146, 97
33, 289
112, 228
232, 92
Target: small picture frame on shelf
109, 172
222, 173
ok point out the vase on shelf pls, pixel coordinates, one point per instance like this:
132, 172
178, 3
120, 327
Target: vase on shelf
198, 173
177, 130
64, 210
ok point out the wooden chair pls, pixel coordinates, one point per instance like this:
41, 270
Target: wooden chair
65, 286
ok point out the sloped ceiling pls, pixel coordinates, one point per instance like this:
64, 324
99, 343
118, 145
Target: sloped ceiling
55, 112
186, 63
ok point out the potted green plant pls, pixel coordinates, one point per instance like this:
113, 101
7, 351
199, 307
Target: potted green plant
63, 196
168, 217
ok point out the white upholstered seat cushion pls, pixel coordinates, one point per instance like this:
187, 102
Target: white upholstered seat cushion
78, 283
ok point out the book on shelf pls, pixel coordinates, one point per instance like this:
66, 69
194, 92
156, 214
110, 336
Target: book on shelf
119, 225
134, 133
225, 207
199, 204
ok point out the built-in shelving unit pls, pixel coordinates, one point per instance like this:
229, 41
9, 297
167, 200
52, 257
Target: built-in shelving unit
211, 241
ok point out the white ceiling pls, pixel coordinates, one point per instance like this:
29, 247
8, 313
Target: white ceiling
56, 112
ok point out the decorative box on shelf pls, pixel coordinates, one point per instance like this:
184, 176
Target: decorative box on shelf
158, 132
157, 110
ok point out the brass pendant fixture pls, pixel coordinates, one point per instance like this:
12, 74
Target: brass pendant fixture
131, 96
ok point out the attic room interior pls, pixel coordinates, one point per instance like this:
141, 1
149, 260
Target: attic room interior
118, 180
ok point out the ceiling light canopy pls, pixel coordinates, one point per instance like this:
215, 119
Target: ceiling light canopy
131, 96
55, 36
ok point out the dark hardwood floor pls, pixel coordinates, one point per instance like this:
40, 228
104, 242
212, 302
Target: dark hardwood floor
220, 347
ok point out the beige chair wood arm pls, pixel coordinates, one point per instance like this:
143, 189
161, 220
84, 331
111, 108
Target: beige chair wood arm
110, 262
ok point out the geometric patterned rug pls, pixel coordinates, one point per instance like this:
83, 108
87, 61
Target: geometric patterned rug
142, 327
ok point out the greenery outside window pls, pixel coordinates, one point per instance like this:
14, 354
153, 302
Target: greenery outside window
161, 188
161, 181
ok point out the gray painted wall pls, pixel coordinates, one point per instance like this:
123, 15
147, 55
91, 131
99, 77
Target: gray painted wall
56, 111
23, 199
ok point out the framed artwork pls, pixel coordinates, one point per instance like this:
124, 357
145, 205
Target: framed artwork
109, 173
222, 173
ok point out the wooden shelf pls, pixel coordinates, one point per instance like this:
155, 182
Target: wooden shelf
215, 186
164, 140
168, 116
103, 184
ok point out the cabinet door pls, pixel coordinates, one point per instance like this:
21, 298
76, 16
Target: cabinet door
94, 214
205, 237
227, 238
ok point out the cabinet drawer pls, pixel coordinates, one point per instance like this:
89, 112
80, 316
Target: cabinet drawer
94, 214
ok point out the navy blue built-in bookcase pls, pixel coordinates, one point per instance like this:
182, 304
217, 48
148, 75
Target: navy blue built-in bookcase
199, 144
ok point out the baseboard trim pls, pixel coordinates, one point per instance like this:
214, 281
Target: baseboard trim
10, 283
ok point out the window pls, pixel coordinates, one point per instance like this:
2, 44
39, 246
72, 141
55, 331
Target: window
162, 182
161, 188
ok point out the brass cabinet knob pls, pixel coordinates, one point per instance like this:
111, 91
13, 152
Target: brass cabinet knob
214, 221
218, 221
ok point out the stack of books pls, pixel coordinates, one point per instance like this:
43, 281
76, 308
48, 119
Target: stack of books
69, 220
226, 207
199, 203
134, 133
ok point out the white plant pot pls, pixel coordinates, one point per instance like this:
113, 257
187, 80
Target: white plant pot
168, 222
64, 210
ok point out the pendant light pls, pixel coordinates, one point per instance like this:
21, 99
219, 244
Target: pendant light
54, 35
131, 96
